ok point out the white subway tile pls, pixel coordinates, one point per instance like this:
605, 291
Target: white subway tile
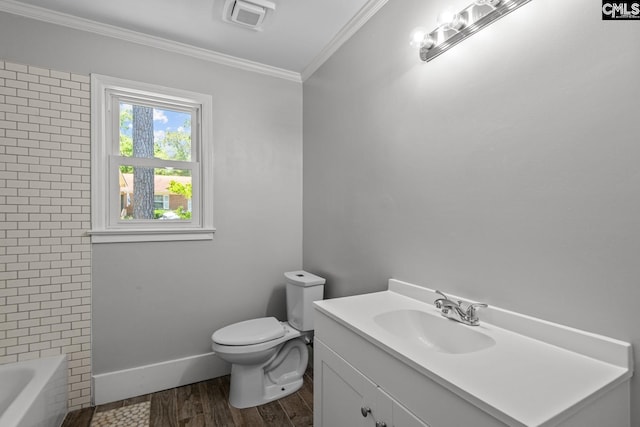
27, 77
6, 74
43, 345
17, 349
17, 316
29, 339
57, 325
17, 84
44, 214
60, 75
29, 356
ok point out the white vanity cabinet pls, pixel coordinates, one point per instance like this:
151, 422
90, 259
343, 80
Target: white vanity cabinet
350, 373
345, 397
372, 370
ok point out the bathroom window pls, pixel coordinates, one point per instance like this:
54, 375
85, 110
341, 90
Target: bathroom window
151, 162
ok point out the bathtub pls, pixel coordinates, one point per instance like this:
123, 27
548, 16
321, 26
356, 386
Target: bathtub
34, 393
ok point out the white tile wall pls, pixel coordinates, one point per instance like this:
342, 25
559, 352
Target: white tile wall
45, 255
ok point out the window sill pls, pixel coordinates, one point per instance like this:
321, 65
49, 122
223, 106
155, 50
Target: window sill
150, 235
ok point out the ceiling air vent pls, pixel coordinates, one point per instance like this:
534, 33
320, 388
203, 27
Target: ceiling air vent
247, 13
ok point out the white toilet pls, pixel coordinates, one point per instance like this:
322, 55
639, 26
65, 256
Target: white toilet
268, 357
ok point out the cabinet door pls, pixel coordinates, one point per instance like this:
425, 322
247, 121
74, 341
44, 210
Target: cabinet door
343, 397
394, 414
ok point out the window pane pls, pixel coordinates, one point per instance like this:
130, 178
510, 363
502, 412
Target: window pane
154, 132
155, 193
158, 202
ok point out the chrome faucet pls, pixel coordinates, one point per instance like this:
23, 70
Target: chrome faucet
455, 310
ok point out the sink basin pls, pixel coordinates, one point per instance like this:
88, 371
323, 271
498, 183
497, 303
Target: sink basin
433, 331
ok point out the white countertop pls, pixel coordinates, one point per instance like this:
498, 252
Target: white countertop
519, 379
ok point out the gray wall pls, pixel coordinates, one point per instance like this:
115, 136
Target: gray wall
506, 170
155, 302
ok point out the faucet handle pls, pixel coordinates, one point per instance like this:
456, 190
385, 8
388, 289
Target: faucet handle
471, 310
442, 294
438, 302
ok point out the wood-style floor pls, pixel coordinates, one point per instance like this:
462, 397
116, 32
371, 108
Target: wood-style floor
206, 404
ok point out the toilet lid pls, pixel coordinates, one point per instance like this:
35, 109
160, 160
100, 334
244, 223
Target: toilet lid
252, 331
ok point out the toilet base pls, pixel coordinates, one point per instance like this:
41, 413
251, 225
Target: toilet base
271, 393
275, 392
279, 377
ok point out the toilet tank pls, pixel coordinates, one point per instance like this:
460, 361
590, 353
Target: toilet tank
302, 290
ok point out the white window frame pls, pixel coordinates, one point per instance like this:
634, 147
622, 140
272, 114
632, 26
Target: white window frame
107, 227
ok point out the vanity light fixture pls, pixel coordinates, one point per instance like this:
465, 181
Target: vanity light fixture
453, 27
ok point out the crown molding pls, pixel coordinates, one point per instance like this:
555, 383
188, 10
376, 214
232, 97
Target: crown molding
366, 12
66, 20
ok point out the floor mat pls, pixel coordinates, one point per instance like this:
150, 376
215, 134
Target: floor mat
128, 416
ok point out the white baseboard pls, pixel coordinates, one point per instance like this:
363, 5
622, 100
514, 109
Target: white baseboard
118, 385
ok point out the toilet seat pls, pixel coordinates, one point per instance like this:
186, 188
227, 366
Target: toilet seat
288, 333
253, 331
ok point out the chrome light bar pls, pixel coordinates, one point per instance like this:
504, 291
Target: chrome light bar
455, 27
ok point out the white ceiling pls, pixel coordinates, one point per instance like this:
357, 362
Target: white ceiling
296, 38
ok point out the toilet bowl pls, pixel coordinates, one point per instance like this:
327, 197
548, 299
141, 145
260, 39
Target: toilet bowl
269, 357
262, 369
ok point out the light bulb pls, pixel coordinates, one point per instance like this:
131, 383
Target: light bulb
445, 17
429, 42
450, 20
417, 37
